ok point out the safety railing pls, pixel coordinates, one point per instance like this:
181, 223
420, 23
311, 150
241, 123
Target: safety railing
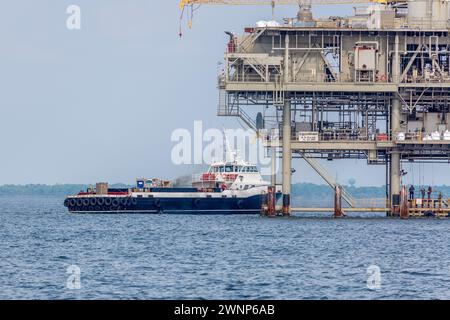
214, 177
314, 136
347, 135
338, 135
238, 77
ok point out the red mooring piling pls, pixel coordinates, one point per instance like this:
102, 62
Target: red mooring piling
404, 204
271, 202
338, 213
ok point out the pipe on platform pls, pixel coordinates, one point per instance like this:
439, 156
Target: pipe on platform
273, 176
287, 153
395, 174
286, 58
396, 61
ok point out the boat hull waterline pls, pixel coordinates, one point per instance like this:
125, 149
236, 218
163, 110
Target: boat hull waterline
169, 205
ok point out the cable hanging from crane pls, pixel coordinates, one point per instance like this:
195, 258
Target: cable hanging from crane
191, 10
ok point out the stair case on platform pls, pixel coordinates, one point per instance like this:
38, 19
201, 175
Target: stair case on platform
229, 110
322, 171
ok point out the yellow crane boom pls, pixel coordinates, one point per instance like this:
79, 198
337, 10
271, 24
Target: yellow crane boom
184, 3
272, 3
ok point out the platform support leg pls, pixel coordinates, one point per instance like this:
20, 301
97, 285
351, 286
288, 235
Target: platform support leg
395, 172
395, 182
287, 158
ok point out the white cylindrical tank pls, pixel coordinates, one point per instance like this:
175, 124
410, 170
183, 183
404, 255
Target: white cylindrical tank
401, 136
447, 135
436, 136
261, 24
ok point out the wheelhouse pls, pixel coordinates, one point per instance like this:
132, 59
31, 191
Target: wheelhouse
233, 169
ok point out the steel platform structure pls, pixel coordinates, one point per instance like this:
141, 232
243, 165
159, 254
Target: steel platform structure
340, 88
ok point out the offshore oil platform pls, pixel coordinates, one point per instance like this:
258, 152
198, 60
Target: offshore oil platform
374, 86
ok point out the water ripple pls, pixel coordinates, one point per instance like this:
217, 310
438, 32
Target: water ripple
216, 257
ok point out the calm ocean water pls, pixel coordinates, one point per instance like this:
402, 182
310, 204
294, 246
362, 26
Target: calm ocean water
216, 257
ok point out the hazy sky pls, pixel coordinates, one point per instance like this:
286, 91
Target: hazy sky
101, 103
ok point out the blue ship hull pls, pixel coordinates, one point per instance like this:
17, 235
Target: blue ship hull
169, 205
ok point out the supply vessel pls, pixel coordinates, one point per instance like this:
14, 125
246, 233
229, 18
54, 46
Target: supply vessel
227, 187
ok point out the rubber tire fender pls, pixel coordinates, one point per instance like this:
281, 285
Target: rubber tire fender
115, 202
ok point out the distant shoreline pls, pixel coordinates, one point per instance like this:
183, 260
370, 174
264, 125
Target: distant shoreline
50, 190
308, 192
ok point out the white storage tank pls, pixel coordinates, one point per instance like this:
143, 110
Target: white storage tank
447, 135
436, 136
401, 136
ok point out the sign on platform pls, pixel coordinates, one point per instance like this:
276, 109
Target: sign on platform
308, 136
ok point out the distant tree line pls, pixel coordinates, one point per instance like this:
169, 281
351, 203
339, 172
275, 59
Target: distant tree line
305, 192
310, 194
43, 189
